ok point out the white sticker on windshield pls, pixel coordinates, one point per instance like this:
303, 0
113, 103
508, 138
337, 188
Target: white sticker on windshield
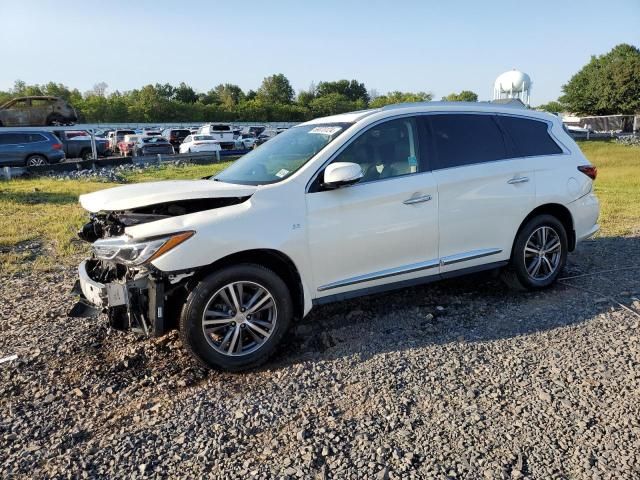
282, 173
326, 130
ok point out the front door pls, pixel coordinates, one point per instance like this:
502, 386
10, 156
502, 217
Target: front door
382, 229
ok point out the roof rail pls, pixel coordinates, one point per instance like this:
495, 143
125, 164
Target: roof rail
453, 104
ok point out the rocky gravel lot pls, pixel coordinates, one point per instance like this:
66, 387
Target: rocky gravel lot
461, 379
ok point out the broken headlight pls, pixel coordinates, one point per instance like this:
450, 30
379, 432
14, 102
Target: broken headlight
128, 251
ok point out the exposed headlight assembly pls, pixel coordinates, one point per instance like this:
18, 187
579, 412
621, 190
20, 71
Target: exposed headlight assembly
132, 252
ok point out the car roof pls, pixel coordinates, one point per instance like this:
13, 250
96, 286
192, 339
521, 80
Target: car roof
27, 131
426, 107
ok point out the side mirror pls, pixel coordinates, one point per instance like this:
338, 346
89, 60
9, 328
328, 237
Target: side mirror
341, 174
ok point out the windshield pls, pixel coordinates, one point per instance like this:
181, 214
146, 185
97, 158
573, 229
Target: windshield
281, 156
203, 137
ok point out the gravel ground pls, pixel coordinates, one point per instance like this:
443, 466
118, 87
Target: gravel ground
461, 379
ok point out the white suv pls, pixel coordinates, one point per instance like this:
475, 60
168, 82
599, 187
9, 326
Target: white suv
337, 207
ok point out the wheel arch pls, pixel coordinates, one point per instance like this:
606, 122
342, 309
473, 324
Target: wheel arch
274, 260
558, 211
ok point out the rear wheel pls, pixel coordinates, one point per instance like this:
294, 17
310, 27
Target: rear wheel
539, 254
235, 318
36, 161
86, 155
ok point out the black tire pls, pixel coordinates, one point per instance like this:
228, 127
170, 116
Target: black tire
191, 320
36, 160
521, 272
86, 155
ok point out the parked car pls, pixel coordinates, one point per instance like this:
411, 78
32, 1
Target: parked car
36, 111
116, 137
125, 147
348, 205
77, 144
30, 148
264, 137
199, 143
221, 132
151, 133
176, 136
153, 145
245, 141
254, 129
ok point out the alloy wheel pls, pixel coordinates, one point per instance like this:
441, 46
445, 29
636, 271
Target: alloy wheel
542, 253
36, 161
239, 318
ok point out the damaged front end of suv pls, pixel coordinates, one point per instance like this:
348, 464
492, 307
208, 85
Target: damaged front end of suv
119, 278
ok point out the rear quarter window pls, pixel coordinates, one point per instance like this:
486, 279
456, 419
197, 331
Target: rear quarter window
530, 137
466, 139
35, 137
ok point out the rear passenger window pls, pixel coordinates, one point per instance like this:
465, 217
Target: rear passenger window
531, 137
35, 137
465, 139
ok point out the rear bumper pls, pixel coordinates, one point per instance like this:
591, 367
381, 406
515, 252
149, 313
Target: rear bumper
205, 148
56, 156
585, 212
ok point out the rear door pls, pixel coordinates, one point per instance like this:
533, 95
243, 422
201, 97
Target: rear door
484, 191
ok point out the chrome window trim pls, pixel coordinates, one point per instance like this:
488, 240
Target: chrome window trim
390, 272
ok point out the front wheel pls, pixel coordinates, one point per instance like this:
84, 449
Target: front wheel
235, 318
539, 254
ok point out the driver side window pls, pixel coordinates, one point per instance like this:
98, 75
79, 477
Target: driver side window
386, 150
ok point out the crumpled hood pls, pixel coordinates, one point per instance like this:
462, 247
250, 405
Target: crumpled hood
144, 194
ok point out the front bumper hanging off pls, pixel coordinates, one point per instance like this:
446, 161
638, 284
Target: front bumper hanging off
136, 304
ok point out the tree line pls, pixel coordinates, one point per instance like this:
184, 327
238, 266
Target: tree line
608, 84
275, 100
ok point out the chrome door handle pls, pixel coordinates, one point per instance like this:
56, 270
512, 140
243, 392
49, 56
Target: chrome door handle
518, 180
420, 199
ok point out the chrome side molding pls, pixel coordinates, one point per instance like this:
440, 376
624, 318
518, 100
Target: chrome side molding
391, 272
414, 267
472, 255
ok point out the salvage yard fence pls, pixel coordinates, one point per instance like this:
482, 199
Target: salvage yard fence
203, 158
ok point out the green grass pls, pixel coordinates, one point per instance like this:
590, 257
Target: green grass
45, 212
617, 186
39, 217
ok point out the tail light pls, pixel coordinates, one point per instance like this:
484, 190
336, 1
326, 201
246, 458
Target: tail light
590, 171
57, 146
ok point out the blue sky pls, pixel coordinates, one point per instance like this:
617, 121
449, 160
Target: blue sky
440, 47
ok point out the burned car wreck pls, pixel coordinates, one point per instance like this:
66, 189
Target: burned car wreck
119, 279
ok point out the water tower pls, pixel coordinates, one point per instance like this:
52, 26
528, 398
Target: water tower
513, 84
